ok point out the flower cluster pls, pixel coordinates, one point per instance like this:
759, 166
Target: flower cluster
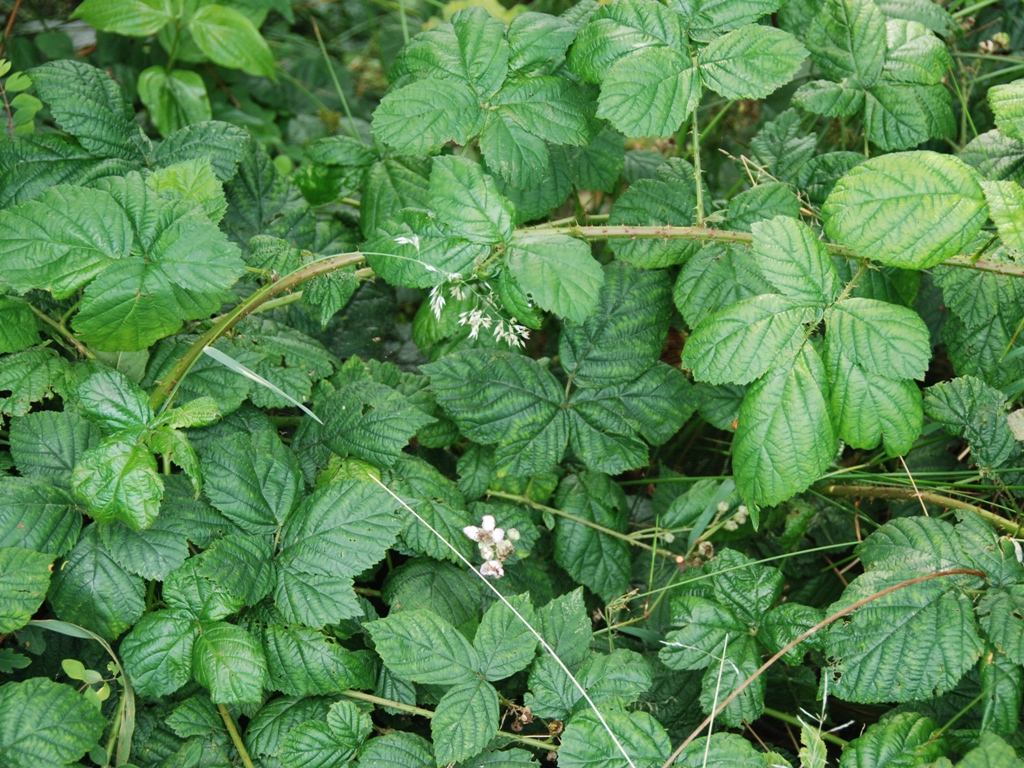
738, 519
496, 545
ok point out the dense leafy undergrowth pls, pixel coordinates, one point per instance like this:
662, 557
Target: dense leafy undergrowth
617, 384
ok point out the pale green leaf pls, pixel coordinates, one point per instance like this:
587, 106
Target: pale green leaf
1007, 102
468, 201
992, 752
552, 108
784, 438
968, 406
717, 277
229, 663
135, 18
24, 578
915, 54
824, 97
118, 480
911, 210
231, 40
422, 647
763, 201
650, 92
46, 723
558, 272
903, 739
114, 401
709, 18
62, 240
1005, 200
751, 62
174, 99
885, 339
847, 40
465, 720
900, 116
586, 743
795, 261
482, 48
421, 120
193, 182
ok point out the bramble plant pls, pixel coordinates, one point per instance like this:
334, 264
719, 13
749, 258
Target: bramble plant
615, 384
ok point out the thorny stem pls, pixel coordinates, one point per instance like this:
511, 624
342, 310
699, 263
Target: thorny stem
582, 521
709, 234
537, 742
235, 738
64, 333
794, 643
169, 383
894, 492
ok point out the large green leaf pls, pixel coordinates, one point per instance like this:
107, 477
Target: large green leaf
115, 401
901, 116
420, 120
24, 578
422, 647
136, 18
62, 240
229, 663
38, 516
847, 40
726, 673
904, 739
304, 662
242, 565
45, 723
468, 201
318, 744
795, 261
231, 40
503, 641
174, 99
465, 720
885, 339
784, 437
157, 653
558, 273
743, 341
118, 480
504, 399
968, 406
650, 92
751, 62
152, 553
703, 627
92, 590
1007, 102
587, 744
911, 210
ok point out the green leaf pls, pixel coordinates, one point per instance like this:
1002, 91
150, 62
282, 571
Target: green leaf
242, 565
1001, 614
741, 659
114, 401
398, 749
305, 662
30, 376
221, 143
823, 97
92, 590
503, 642
468, 202
743, 341
723, 751
46, 723
785, 623
624, 336
708, 18
869, 409
745, 587
784, 438
551, 108
38, 516
716, 277
912, 210
18, 326
372, 421
886, 339
271, 724
650, 92
992, 752
91, 106
152, 553
316, 744
901, 116
933, 620
62, 240
252, 479
751, 62
763, 201
558, 272
915, 54
229, 663
795, 261
157, 653
565, 625
231, 40
465, 720
903, 739
593, 558
969, 407
448, 591
847, 40
421, 120
118, 480
1007, 102
422, 647
48, 444
135, 18
586, 743
703, 626
504, 399
1004, 202
174, 99
24, 578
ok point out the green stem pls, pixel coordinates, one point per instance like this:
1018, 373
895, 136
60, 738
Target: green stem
64, 333
413, 710
787, 718
235, 738
115, 731
696, 171
334, 79
169, 383
582, 521
708, 234
893, 492
972, 8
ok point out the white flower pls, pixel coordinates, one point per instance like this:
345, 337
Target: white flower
511, 333
730, 525
414, 241
492, 568
503, 549
476, 320
487, 533
459, 291
436, 301
723, 507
